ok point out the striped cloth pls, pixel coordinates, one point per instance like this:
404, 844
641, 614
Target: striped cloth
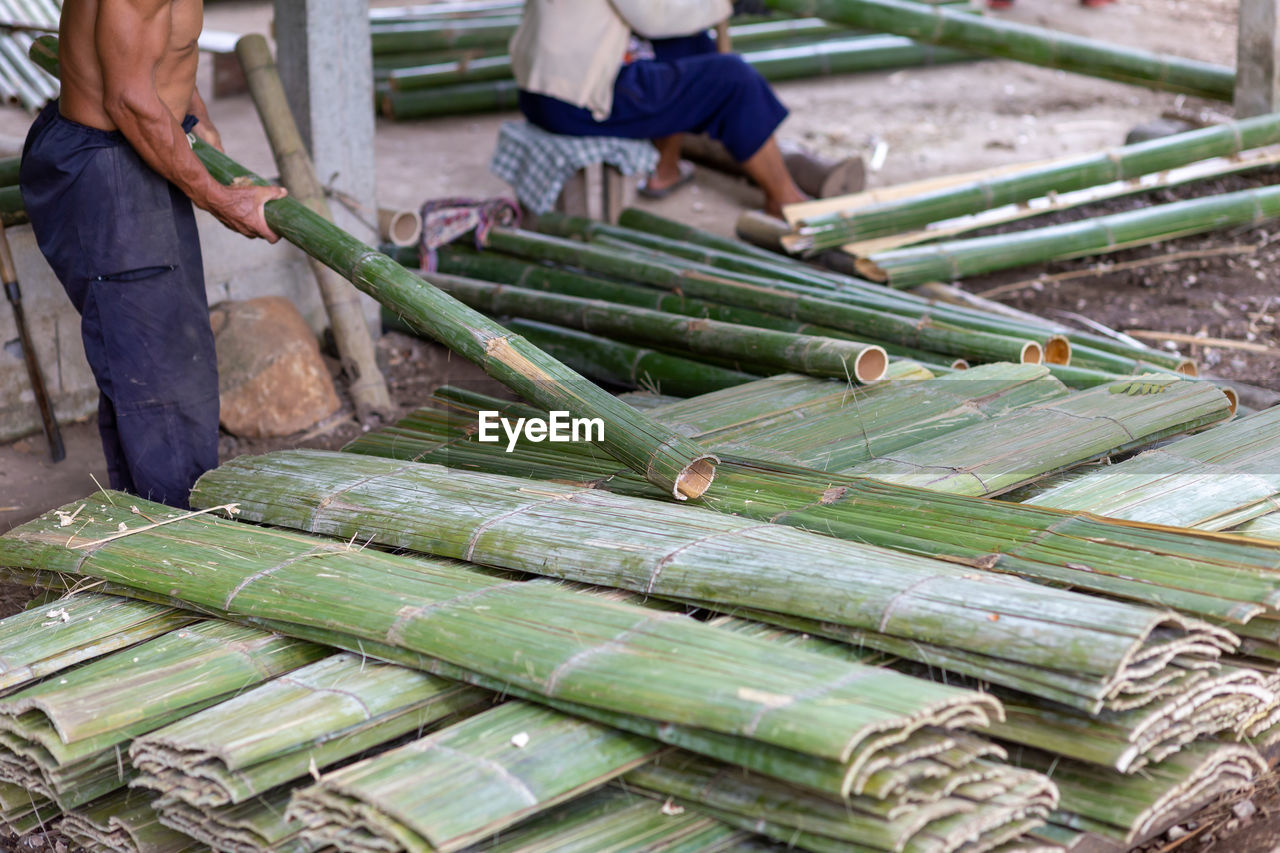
536, 164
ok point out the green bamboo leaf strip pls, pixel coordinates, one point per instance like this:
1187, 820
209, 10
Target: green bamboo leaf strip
955, 259
40, 642
310, 718
433, 607
664, 458
1011, 40
125, 821
467, 781
1195, 482
618, 820
23, 810
719, 288
1039, 439
1215, 577
1118, 164
687, 553
809, 354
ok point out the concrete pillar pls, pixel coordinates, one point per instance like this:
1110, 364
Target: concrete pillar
326, 63
1258, 58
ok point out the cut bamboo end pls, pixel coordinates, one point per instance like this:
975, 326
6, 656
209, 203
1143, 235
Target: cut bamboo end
960, 364
1057, 350
1032, 353
695, 478
399, 227
1187, 367
866, 267
1233, 399
871, 365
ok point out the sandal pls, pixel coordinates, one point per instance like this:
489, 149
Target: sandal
687, 173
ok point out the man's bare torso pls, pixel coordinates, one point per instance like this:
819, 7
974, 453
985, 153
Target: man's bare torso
82, 84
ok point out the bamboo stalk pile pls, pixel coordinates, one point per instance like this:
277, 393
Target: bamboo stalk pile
124, 821
1203, 576
430, 64
418, 777
1212, 481
61, 739
889, 597
767, 301
245, 746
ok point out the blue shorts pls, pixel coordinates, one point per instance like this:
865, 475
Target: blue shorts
686, 88
123, 242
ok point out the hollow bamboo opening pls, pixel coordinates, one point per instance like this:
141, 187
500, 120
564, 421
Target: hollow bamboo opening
1187, 367
1233, 399
1057, 350
866, 268
1032, 353
960, 364
400, 227
871, 364
696, 478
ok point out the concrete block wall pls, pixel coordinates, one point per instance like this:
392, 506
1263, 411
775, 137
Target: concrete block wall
235, 268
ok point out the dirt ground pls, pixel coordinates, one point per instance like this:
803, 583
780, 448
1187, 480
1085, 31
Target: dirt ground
929, 121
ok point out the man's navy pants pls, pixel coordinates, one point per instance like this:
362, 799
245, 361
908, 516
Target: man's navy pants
123, 242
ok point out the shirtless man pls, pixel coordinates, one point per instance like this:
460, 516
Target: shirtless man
108, 179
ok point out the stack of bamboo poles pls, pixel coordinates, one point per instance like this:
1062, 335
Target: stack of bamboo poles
429, 63
916, 233
429, 790
636, 286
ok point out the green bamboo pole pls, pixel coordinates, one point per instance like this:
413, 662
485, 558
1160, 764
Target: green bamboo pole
482, 97
666, 459
13, 211
669, 276
622, 364
781, 351
341, 300
405, 36
951, 260
1010, 40
1074, 173
9, 167
965, 316
775, 63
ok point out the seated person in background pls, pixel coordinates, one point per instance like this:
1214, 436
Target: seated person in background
569, 58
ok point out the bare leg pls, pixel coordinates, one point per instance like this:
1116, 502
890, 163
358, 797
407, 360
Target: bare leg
668, 168
767, 169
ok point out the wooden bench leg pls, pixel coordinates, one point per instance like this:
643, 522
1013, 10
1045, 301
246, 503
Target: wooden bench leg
619, 193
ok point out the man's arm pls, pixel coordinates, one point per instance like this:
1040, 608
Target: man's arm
132, 37
204, 128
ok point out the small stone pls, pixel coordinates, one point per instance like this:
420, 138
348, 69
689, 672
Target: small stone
1176, 832
59, 847
1244, 809
36, 841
